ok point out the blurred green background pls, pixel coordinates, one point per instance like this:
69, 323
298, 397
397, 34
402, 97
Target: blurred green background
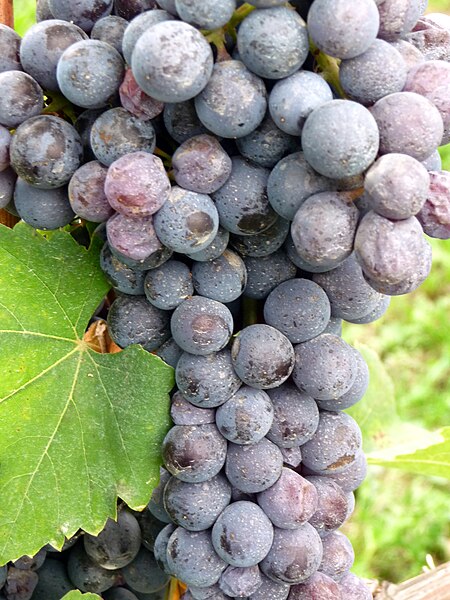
399, 518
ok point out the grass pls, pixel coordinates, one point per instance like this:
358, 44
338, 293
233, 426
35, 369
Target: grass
399, 518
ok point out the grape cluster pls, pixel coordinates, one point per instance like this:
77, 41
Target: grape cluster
259, 172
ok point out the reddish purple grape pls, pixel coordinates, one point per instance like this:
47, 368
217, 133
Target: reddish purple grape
87, 195
136, 101
132, 238
435, 214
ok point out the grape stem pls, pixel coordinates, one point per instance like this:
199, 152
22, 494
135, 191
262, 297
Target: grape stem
328, 67
166, 158
249, 311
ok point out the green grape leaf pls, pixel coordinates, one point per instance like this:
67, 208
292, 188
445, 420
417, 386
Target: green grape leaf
77, 595
77, 428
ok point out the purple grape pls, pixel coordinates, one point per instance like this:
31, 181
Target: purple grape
20, 584
398, 17
10, 43
317, 586
194, 453
290, 502
242, 535
128, 9
435, 214
338, 555
433, 162
294, 556
253, 468
271, 590
132, 238
334, 327
86, 193
265, 273
222, 279
246, 417
136, 101
110, 29
185, 413
408, 124
352, 477
169, 285
410, 54
340, 31
353, 588
21, 99
84, 14
296, 416
27, 563
375, 314
212, 592
137, 185
119, 593
332, 507
240, 581
262, 356
5, 141
292, 457
431, 36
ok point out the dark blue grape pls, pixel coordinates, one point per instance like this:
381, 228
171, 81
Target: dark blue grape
208, 14
316, 586
128, 9
42, 47
86, 575
353, 588
111, 30
253, 468
340, 31
150, 528
156, 504
233, 102
172, 61
294, 556
143, 574
160, 547
270, 590
334, 326
133, 320
170, 352
87, 193
185, 413
433, 162
42, 209
201, 325
332, 507
240, 582
292, 457
352, 477
338, 556
9, 49
167, 286
264, 243
375, 314
242, 535
191, 557
196, 506
194, 453
340, 138
21, 98
168, 5
294, 98
46, 151
83, 13
207, 381
83, 125
53, 581
119, 593
355, 393
182, 122
222, 279
246, 417
296, 416
138, 26
213, 250
5, 142
122, 278
264, 274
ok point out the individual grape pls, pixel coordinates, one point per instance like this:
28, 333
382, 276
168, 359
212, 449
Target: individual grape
117, 544
398, 17
119, 593
253, 468
117, 133
28, 562
182, 122
156, 504
242, 202
222, 279
240, 581
43, 11
270, 590
324, 228
294, 556
262, 244
128, 9
41, 208
143, 573
167, 286
42, 47
408, 124
150, 528
160, 547
207, 381
246, 417
136, 101
83, 125
213, 250
338, 556
194, 453
351, 504
10, 43
296, 416
299, 262
208, 14
138, 26
187, 221
132, 238
123, 278
45, 151
334, 326
292, 457
20, 584
201, 326
397, 185
172, 61
340, 31
350, 296
355, 393
191, 557
170, 353
410, 54
431, 37
389, 251
53, 581
86, 193
267, 144
379, 71
332, 506
433, 162
111, 30
352, 477
233, 102
264, 274
340, 138
21, 98
273, 43
185, 413
262, 356
86, 575
353, 588
3, 574
294, 98
89, 73
375, 314
435, 213
84, 14
299, 308
325, 367
5, 141
133, 320
317, 586
196, 506
242, 535
265, 3
431, 79
290, 502
212, 592
201, 165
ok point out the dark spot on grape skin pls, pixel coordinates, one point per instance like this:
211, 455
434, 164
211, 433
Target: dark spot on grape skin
253, 223
174, 549
347, 459
200, 224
